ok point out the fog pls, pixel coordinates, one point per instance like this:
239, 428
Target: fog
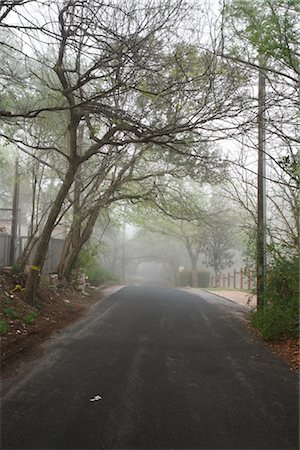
136, 255
152, 273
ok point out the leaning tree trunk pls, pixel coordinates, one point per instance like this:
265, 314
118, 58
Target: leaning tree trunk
71, 258
67, 265
43, 243
64, 254
73, 237
23, 261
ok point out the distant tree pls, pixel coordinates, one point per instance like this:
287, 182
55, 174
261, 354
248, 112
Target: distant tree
219, 242
178, 214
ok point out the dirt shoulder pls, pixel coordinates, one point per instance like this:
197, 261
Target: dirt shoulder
23, 328
286, 348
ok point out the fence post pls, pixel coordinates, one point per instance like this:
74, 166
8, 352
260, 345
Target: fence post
249, 280
234, 279
228, 279
241, 278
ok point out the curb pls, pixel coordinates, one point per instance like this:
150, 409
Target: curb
226, 298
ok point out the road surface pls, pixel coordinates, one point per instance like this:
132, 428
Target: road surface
154, 368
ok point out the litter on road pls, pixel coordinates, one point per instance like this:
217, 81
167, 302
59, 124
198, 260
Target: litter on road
94, 399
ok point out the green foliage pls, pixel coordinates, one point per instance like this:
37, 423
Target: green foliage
3, 327
281, 315
97, 275
184, 278
87, 257
11, 313
30, 317
88, 260
271, 27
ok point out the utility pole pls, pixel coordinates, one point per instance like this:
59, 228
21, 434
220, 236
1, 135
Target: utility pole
15, 215
261, 189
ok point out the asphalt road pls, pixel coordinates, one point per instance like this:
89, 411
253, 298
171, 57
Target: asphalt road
173, 370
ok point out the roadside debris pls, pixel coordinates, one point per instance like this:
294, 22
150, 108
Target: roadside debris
94, 399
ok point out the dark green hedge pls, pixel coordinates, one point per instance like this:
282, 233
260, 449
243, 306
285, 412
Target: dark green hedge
184, 278
281, 314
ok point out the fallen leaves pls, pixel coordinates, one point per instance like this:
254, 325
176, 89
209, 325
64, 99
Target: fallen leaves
288, 349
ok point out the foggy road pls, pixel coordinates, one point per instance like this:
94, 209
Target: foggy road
156, 368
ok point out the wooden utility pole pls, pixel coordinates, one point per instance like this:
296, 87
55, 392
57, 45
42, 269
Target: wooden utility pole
15, 216
261, 189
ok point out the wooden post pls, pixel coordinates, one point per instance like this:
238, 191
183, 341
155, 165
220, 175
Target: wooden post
249, 280
261, 187
228, 279
234, 279
241, 279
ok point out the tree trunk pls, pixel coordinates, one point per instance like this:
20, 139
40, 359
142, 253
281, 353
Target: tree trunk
194, 274
217, 279
64, 254
42, 247
24, 258
77, 192
194, 255
73, 237
85, 236
67, 265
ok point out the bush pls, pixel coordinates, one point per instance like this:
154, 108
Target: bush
281, 315
203, 278
184, 278
87, 257
97, 276
88, 261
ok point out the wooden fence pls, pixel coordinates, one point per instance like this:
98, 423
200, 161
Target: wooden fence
52, 258
237, 279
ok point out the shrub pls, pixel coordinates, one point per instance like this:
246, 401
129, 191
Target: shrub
88, 260
97, 275
184, 278
203, 278
87, 257
281, 314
